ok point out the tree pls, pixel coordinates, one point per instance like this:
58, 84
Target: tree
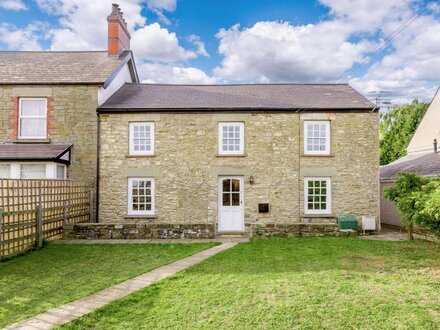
397, 127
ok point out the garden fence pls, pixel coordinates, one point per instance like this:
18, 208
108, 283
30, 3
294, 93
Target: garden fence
32, 211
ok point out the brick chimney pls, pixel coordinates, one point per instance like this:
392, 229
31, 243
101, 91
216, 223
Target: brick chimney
118, 35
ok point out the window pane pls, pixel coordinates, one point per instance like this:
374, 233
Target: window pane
226, 199
226, 185
235, 199
33, 171
34, 108
60, 172
5, 171
32, 127
235, 185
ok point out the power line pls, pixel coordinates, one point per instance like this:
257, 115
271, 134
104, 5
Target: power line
386, 41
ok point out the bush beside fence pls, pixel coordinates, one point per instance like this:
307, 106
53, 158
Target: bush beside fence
35, 210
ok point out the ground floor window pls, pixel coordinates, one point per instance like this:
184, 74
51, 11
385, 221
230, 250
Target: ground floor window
33, 171
141, 196
317, 195
5, 171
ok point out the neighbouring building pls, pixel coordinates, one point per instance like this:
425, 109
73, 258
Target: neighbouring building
48, 103
422, 158
239, 158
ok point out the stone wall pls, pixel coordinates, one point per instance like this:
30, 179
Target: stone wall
300, 230
186, 166
137, 231
72, 120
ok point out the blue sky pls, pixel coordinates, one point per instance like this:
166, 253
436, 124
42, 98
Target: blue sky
189, 41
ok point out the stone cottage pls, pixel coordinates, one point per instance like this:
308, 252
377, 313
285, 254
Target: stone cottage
48, 104
237, 158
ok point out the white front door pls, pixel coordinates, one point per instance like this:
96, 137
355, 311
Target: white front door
231, 212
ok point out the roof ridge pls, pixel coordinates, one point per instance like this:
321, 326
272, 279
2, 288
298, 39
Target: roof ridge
244, 84
53, 51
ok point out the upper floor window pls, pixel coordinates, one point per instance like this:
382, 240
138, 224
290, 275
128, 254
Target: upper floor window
317, 195
317, 137
141, 139
231, 138
140, 196
32, 119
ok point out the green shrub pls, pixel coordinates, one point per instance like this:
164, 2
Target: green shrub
417, 199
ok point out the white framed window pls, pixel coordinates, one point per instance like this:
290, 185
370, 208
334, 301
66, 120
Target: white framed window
32, 121
32, 171
141, 138
5, 171
317, 195
141, 196
317, 137
231, 138
61, 172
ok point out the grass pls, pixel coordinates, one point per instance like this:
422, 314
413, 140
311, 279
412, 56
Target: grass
308, 283
37, 281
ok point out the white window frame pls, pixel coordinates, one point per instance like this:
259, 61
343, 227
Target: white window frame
31, 117
328, 196
220, 138
131, 139
327, 137
130, 210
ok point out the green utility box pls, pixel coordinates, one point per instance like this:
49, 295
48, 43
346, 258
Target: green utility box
347, 223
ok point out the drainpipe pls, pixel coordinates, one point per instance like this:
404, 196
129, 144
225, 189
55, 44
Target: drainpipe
98, 152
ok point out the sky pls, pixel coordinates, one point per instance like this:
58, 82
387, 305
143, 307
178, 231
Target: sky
386, 48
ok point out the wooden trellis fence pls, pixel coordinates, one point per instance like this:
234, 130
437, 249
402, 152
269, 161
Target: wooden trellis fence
35, 210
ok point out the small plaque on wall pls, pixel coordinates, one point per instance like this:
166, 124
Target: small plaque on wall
263, 208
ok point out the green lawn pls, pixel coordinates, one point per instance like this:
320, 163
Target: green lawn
58, 274
307, 283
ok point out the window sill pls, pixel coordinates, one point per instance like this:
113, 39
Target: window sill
140, 217
232, 155
318, 156
140, 156
31, 141
318, 216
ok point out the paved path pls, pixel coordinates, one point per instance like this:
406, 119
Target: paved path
387, 234
66, 313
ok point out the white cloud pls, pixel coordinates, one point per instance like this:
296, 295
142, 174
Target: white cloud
159, 6
195, 40
27, 38
13, 5
280, 51
152, 42
165, 73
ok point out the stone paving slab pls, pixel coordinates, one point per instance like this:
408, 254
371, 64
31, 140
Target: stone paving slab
387, 234
68, 312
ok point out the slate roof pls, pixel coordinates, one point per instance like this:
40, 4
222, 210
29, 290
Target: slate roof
158, 97
425, 165
49, 67
33, 151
